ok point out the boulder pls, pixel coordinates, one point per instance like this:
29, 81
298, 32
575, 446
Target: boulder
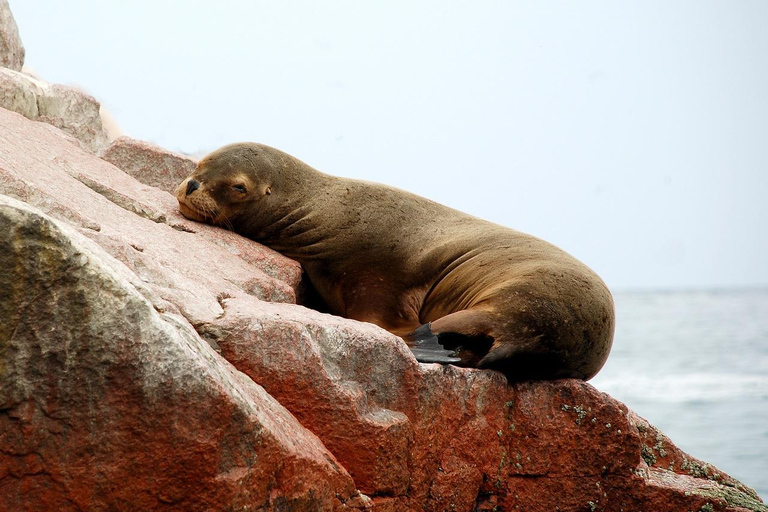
19, 92
127, 298
110, 404
139, 225
11, 48
150, 164
67, 108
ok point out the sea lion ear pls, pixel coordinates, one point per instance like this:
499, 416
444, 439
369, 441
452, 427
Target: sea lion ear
267, 191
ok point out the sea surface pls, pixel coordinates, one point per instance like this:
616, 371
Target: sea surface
695, 365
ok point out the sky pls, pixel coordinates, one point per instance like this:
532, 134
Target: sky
634, 135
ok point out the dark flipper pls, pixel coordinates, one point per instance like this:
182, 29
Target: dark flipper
427, 348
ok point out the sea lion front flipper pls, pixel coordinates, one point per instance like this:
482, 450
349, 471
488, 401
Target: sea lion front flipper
426, 347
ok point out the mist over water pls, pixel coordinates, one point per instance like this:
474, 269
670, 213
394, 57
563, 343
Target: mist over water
695, 364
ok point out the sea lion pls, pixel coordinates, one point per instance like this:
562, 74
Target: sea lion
456, 288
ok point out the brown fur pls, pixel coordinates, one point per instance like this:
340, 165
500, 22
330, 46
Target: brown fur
503, 299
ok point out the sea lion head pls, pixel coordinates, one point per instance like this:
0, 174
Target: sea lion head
231, 183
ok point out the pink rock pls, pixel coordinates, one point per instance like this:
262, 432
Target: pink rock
150, 164
109, 404
188, 265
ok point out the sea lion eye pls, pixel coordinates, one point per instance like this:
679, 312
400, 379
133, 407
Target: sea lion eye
239, 187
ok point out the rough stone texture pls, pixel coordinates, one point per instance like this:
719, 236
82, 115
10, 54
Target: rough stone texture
107, 403
150, 164
410, 436
66, 108
11, 48
188, 265
18, 92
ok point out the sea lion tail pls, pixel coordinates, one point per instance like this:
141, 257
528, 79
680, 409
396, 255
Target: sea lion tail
426, 347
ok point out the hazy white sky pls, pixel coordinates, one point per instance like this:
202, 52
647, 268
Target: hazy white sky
632, 134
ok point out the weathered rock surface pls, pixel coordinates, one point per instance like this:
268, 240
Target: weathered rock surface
108, 404
150, 164
11, 48
137, 224
110, 399
66, 108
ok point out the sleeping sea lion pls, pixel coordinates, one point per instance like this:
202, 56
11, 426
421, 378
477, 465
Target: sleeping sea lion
456, 288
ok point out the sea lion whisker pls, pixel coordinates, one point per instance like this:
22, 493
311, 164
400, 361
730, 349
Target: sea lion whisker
228, 224
209, 212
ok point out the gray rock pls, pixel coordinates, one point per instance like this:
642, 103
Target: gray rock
19, 92
11, 48
66, 108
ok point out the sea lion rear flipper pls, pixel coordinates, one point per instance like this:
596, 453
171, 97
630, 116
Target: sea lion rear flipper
427, 348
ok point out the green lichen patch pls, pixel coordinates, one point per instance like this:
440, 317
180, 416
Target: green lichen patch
502, 462
695, 468
580, 411
646, 452
732, 496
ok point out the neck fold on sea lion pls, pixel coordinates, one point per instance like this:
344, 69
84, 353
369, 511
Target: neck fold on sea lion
291, 222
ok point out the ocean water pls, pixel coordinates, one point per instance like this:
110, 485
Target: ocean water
695, 364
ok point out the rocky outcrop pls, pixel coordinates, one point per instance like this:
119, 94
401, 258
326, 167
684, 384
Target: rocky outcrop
150, 164
11, 48
150, 362
66, 108
109, 403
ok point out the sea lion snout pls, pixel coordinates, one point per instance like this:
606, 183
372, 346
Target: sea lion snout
192, 185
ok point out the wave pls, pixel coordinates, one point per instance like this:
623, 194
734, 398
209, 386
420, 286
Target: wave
692, 387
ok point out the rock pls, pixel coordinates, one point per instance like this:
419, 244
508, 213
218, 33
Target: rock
19, 92
407, 436
11, 49
458, 439
66, 108
150, 164
138, 225
107, 403
108, 122
75, 113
